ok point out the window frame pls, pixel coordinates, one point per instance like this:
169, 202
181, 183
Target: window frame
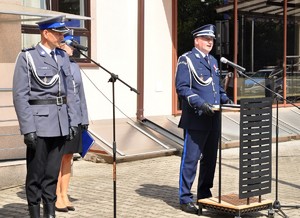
53, 5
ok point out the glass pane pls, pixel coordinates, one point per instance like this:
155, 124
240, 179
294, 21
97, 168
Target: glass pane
30, 40
31, 20
293, 79
73, 7
251, 87
34, 3
270, 77
82, 40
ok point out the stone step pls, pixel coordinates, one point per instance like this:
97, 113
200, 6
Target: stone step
6, 99
7, 114
12, 146
12, 173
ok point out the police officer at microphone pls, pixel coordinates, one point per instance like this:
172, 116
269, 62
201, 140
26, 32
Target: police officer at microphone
198, 86
43, 98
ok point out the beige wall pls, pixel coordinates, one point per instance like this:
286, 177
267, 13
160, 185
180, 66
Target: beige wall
158, 58
10, 44
114, 46
10, 38
114, 37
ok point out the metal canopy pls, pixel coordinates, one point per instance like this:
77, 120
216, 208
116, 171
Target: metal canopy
11, 8
263, 8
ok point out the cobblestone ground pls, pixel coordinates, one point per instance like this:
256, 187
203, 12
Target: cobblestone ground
149, 188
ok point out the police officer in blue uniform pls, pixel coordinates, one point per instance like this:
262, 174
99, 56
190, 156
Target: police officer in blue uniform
44, 101
198, 86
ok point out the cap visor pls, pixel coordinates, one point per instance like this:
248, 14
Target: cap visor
209, 35
61, 30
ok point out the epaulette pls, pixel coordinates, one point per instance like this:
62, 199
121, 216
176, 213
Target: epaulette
61, 51
28, 49
187, 53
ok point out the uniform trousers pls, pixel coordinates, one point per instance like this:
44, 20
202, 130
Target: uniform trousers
198, 143
43, 166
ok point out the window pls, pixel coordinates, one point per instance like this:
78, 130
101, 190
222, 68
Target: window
81, 28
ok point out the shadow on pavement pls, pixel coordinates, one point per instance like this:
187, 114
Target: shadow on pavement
13, 210
22, 194
165, 193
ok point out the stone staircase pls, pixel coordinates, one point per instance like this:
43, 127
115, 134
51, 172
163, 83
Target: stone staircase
12, 148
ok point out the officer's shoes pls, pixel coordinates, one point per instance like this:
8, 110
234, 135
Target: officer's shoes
189, 208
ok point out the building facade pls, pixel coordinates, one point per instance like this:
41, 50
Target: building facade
139, 53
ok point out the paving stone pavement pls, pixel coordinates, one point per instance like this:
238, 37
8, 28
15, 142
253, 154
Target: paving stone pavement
149, 188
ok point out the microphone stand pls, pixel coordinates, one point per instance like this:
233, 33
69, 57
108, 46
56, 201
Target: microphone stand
113, 79
220, 142
276, 204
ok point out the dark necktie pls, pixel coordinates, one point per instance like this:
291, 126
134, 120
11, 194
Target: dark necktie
53, 55
206, 58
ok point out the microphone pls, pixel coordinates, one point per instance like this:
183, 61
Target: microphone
76, 45
238, 67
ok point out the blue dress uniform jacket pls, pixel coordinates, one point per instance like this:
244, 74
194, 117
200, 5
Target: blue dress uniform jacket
80, 100
49, 120
196, 88
197, 82
75, 145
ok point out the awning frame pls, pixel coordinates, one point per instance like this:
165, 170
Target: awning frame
15, 9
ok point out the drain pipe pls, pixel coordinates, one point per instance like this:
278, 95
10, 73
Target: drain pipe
140, 60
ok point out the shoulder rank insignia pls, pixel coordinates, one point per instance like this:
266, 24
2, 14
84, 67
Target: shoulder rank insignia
28, 49
187, 53
197, 55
